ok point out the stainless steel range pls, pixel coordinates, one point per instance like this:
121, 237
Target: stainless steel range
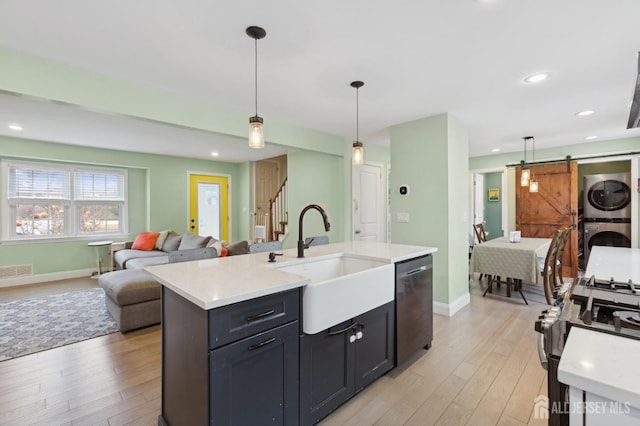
606, 306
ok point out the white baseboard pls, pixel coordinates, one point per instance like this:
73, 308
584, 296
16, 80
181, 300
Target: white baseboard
43, 278
450, 309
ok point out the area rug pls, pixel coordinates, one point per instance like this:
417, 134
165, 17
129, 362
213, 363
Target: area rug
34, 325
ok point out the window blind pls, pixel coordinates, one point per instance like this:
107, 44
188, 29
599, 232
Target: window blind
98, 186
38, 183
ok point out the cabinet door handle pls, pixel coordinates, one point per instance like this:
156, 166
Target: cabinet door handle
256, 317
343, 330
261, 344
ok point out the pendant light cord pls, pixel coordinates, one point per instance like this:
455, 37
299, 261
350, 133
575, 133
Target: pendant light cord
357, 115
533, 150
256, 73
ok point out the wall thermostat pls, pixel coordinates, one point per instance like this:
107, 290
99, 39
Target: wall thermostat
404, 190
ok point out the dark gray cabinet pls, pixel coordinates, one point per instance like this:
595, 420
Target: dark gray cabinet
236, 364
339, 362
254, 381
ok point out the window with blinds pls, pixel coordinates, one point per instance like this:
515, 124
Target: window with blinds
52, 201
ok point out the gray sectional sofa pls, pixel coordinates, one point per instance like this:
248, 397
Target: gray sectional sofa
129, 258
132, 296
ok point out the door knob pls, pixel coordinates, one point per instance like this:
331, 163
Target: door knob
357, 231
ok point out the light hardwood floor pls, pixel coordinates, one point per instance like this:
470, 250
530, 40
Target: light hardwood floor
483, 369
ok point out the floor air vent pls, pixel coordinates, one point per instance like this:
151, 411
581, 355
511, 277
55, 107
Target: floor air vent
13, 271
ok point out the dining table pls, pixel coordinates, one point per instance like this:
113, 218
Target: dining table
513, 260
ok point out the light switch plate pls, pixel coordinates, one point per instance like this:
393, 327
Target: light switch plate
403, 217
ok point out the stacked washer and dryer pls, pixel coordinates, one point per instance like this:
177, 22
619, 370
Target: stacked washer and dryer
607, 211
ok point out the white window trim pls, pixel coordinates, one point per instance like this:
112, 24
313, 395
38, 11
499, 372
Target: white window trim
72, 223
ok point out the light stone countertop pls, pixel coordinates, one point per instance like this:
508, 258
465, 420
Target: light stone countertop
602, 364
222, 281
621, 263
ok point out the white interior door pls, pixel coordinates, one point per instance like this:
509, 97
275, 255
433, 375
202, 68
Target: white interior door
478, 199
368, 203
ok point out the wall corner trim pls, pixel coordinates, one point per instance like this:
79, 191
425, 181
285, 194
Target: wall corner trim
450, 309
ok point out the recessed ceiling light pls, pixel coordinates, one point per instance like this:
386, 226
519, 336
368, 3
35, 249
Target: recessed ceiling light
15, 127
495, 150
590, 138
537, 77
214, 154
586, 112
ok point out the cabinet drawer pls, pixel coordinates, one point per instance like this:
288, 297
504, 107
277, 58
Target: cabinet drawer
234, 322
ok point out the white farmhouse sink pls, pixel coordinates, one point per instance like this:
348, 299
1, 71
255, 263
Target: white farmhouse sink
341, 288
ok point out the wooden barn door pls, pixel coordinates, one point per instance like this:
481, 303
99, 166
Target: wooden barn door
554, 206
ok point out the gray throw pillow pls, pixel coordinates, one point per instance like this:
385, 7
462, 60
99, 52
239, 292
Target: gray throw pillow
239, 247
192, 241
172, 242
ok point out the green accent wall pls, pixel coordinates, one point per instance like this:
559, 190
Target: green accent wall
316, 178
609, 151
493, 209
602, 148
319, 161
43, 78
431, 156
157, 192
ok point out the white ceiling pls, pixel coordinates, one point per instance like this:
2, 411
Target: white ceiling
69, 124
417, 58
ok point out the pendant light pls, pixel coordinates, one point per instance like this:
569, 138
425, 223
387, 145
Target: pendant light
256, 135
357, 153
525, 174
533, 184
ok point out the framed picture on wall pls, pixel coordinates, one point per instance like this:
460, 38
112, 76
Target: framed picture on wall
494, 194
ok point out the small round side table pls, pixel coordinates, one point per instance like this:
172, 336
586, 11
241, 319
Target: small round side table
98, 245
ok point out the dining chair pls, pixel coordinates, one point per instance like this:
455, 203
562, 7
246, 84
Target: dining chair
316, 241
481, 236
566, 233
267, 246
548, 269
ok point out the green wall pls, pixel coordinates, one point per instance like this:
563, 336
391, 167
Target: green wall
316, 178
607, 151
166, 196
43, 78
431, 156
157, 192
602, 148
493, 209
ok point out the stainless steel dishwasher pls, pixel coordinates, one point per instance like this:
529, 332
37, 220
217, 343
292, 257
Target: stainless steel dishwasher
414, 306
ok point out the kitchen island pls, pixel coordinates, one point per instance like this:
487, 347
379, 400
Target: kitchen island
231, 330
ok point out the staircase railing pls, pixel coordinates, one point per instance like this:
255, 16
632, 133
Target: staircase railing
278, 213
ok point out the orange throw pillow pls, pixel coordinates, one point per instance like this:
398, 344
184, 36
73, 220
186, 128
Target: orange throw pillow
223, 252
145, 241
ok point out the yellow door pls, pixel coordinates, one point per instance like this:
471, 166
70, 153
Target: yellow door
209, 206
